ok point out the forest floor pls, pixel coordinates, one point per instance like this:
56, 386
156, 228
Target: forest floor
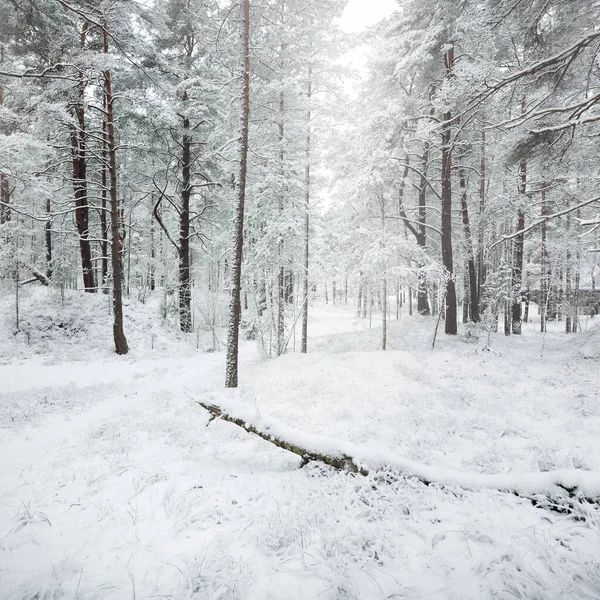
112, 486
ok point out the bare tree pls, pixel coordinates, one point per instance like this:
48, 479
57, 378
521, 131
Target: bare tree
115, 251
235, 309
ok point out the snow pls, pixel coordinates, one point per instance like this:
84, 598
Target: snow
113, 483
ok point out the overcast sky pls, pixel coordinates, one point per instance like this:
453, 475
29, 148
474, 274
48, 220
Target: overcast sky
359, 14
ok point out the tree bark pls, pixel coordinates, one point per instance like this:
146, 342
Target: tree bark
481, 265
4, 199
185, 291
48, 238
121, 346
544, 280
473, 296
304, 341
517, 280
281, 273
451, 326
80, 187
4, 184
104, 205
231, 365
422, 300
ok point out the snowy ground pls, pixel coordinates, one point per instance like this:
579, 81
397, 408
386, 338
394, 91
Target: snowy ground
112, 486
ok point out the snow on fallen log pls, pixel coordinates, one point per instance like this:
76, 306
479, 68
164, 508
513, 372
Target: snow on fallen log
554, 487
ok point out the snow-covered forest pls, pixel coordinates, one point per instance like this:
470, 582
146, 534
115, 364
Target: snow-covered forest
298, 299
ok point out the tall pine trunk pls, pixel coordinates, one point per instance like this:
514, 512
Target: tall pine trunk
473, 298
80, 186
281, 273
104, 206
422, 301
115, 252
481, 264
48, 239
304, 342
4, 183
544, 279
185, 291
451, 326
231, 365
517, 281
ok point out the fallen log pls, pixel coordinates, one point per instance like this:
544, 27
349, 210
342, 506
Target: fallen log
557, 490
342, 462
37, 275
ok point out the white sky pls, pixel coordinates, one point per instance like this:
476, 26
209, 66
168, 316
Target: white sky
360, 14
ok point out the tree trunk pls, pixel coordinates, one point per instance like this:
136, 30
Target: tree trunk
4, 183
481, 265
80, 188
422, 300
384, 315
555, 487
117, 265
48, 236
473, 296
304, 342
4, 199
384, 286
185, 291
152, 269
451, 326
231, 365
359, 301
517, 279
466, 299
103, 209
281, 275
544, 280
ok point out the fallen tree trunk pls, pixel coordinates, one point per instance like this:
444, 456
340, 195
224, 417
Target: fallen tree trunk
341, 462
37, 275
556, 490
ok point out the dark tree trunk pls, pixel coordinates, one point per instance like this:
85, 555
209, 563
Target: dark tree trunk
289, 287
78, 150
281, 275
185, 290
517, 281
384, 315
103, 208
466, 296
48, 236
481, 264
545, 280
231, 365
262, 298
420, 233
576, 304
422, 300
568, 297
4, 199
152, 270
473, 297
451, 326
117, 265
4, 184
